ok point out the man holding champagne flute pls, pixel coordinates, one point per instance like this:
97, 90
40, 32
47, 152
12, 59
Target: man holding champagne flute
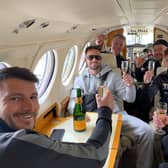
150, 89
138, 133
154, 84
159, 47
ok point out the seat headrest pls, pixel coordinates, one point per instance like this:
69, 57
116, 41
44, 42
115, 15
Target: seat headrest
109, 59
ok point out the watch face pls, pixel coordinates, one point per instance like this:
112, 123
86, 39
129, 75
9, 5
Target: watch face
165, 86
142, 69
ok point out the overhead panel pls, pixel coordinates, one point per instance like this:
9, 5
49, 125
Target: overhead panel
63, 15
147, 11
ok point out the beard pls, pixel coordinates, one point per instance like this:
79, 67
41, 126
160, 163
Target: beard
95, 67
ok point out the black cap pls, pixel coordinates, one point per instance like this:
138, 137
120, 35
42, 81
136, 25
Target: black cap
161, 42
145, 50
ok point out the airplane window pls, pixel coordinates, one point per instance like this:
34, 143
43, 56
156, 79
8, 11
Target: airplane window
82, 63
44, 71
69, 65
137, 37
4, 65
138, 34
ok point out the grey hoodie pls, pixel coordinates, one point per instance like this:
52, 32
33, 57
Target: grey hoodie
89, 84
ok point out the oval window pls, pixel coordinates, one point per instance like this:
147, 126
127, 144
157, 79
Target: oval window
69, 65
82, 63
45, 70
4, 65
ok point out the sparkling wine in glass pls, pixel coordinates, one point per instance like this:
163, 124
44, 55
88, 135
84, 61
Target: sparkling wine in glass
161, 112
124, 66
101, 90
151, 65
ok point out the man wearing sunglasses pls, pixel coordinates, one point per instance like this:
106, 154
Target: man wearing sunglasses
22, 147
139, 133
91, 57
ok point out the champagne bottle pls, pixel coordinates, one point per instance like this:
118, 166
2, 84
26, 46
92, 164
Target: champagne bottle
78, 113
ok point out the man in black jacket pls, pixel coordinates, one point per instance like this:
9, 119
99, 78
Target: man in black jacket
150, 89
159, 47
20, 146
153, 84
158, 51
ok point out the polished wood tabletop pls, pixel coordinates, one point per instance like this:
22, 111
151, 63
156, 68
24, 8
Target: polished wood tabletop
73, 136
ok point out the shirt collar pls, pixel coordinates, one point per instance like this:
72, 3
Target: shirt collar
4, 127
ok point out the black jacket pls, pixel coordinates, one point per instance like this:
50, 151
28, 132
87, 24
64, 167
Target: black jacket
139, 72
119, 59
159, 83
28, 149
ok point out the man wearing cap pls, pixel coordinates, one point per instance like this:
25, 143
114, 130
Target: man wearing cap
148, 51
158, 51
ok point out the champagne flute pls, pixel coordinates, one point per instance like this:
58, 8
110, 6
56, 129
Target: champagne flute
161, 112
151, 66
101, 90
124, 67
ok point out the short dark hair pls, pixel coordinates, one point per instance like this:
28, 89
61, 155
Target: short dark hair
161, 42
145, 50
95, 47
19, 73
166, 51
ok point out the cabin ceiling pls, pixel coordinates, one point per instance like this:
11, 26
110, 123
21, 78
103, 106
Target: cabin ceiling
74, 18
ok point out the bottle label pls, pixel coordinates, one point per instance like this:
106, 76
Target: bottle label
79, 125
78, 100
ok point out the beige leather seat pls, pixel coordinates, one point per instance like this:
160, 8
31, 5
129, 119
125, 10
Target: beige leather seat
160, 70
109, 59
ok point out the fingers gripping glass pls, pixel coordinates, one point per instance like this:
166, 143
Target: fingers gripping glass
161, 112
97, 57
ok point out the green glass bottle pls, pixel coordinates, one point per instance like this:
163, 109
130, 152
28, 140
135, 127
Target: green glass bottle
79, 120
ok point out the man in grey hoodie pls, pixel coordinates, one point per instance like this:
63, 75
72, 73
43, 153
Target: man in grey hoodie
139, 133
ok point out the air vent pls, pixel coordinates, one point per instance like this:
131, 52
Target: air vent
44, 25
73, 28
27, 23
24, 25
15, 31
93, 29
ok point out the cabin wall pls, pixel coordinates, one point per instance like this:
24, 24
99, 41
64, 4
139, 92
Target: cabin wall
160, 34
29, 55
58, 90
19, 56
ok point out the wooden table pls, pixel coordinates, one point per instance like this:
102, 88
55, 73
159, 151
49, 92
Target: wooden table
73, 136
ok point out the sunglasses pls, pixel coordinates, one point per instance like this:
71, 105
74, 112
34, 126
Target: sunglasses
97, 57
